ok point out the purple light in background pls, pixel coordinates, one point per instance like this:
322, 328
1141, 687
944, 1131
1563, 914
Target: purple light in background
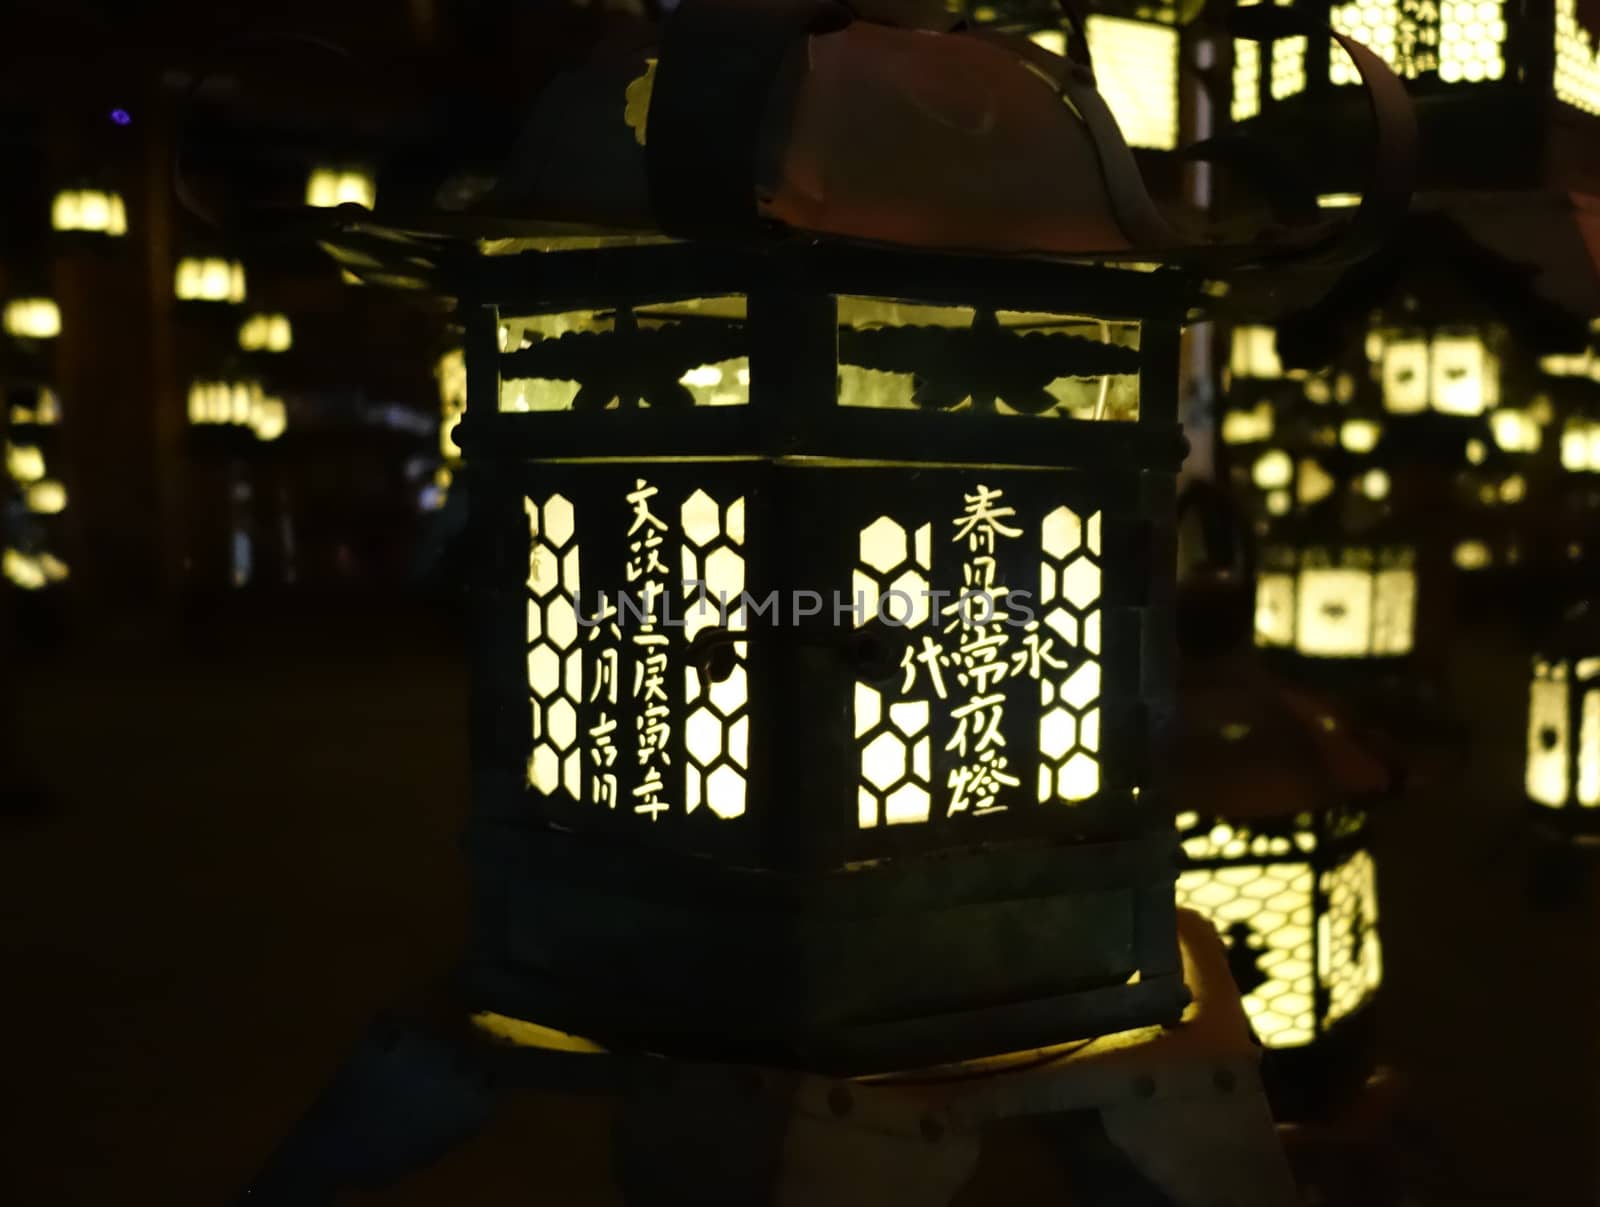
121, 117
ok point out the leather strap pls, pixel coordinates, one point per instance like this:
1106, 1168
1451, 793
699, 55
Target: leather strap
718, 61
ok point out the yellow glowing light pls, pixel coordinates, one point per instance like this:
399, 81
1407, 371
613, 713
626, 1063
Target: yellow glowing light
1374, 485
1248, 427
1516, 431
1477, 451
1246, 79
451, 373
1583, 364
523, 1034
1459, 40
1338, 201
1346, 609
1548, 736
1288, 67
268, 418
1273, 470
1136, 71
1405, 374
1577, 76
266, 333
223, 402
1466, 374
1514, 489
1313, 483
90, 210
1279, 502
1360, 435
47, 497
209, 279
23, 570
1255, 353
1472, 555
331, 186
25, 463
32, 318
1580, 446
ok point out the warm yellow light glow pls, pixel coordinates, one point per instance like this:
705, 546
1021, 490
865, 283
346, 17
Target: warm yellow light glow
1577, 74
1248, 427
1374, 485
266, 333
1349, 955
1275, 610
24, 463
1136, 71
1246, 79
1360, 435
1288, 67
451, 373
1338, 201
1271, 904
331, 186
1583, 364
1548, 735
32, 318
1279, 502
1472, 555
209, 279
1589, 751
47, 497
1477, 452
1466, 374
1313, 483
91, 210
1405, 374
1355, 607
31, 571
1514, 489
1273, 470
1580, 446
531, 1035
268, 418
1516, 431
1459, 40
1255, 353
223, 402
1333, 617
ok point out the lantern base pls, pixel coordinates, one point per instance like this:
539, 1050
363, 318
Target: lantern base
1155, 1117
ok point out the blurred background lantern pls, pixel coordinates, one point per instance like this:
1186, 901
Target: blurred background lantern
1563, 766
35, 497
681, 446
209, 279
32, 318
89, 211
331, 185
266, 332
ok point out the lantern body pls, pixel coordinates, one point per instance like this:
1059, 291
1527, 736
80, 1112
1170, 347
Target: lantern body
1563, 764
89, 211
32, 318
1295, 898
266, 333
744, 783
209, 279
1341, 601
329, 186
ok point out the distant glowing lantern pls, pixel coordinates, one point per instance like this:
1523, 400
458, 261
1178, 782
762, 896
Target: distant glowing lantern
1255, 353
1472, 555
1580, 445
1374, 485
266, 333
1273, 470
1453, 371
46, 497
211, 279
24, 463
329, 186
1563, 763
740, 552
225, 403
89, 211
451, 373
1341, 598
1360, 435
32, 318
1516, 431
1248, 427
269, 418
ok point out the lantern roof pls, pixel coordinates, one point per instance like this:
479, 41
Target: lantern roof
1248, 744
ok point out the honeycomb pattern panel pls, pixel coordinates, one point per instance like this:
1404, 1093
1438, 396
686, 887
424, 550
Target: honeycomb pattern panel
717, 733
1472, 35
1264, 915
1069, 702
555, 663
891, 581
1577, 60
1349, 955
1246, 79
1288, 76
1217, 839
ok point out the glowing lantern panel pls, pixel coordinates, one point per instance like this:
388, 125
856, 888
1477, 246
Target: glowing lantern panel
1337, 602
333, 186
266, 333
1295, 899
1563, 760
91, 211
209, 280
32, 318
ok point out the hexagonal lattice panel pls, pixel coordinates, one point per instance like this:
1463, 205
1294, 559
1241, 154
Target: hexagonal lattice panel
717, 733
1263, 912
555, 665
896, 751
1069, 599
1349, 951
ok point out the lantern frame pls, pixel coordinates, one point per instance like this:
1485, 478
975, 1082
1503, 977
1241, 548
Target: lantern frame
1564, 712
816, 927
